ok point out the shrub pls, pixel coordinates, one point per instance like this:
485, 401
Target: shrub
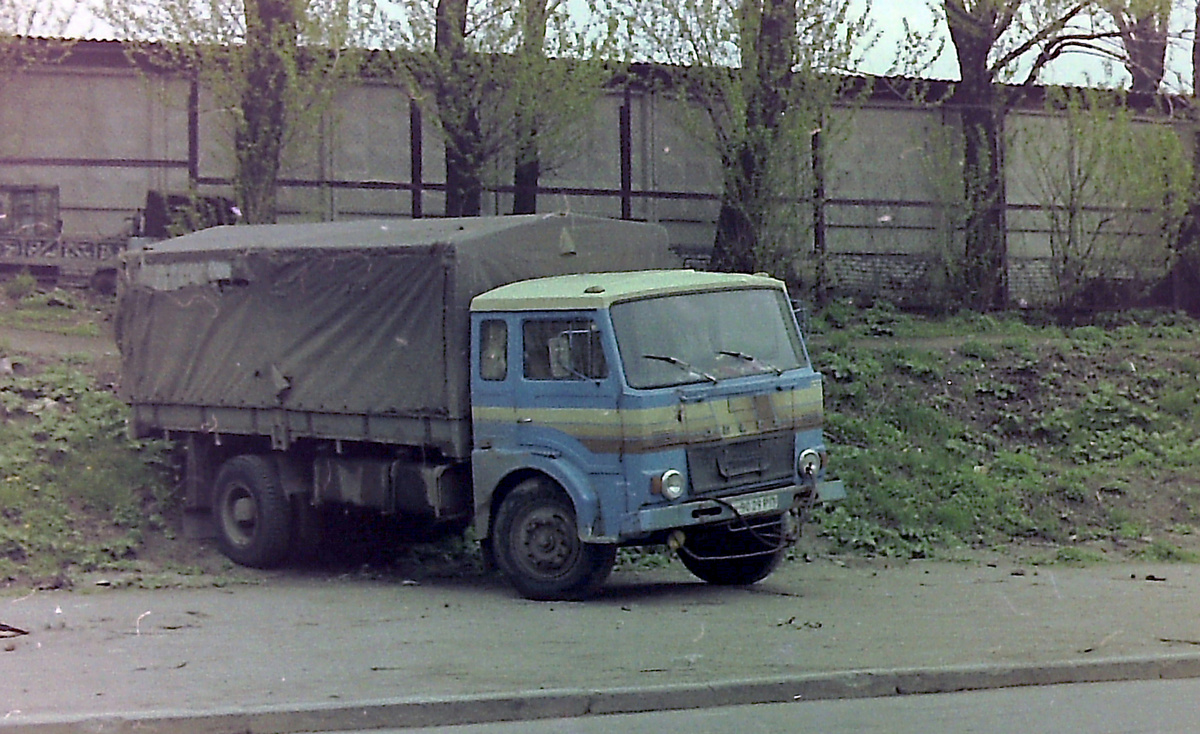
20, 286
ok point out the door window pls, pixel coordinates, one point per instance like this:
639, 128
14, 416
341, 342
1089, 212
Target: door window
493, 350
563, 349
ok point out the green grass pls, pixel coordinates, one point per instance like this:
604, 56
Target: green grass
76, 494
55, 312
844, 320
999, 431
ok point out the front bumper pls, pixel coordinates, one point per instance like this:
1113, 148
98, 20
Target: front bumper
706, 510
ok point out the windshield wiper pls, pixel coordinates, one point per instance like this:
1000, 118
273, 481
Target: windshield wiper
750, 358
681, 365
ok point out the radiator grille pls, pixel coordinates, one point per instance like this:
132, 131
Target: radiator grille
761, 462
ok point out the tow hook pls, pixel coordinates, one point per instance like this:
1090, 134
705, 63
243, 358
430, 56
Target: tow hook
792, 525
676, 540
793, 519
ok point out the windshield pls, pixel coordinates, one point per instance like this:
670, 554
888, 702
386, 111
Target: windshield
706, 337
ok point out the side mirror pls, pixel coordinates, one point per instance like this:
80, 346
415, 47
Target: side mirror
577, 354
560, 357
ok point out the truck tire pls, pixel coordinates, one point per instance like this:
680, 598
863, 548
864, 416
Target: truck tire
252, 513
732, 556
537, 546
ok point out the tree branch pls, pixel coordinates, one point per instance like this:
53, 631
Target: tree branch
1046, 35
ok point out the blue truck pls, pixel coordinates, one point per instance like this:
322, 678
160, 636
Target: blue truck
555, 382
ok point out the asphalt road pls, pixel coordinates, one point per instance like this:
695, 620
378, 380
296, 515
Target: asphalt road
307, 651
1152, 707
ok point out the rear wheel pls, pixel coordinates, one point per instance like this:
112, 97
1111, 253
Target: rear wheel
735, 555
252, 513
537, 546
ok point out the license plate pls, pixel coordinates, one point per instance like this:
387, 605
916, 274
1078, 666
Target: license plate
756, 505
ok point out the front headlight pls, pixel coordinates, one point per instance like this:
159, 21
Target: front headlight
808, 463
669, 484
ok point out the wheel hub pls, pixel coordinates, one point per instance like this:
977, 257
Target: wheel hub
243, 511
547, 542
240, 517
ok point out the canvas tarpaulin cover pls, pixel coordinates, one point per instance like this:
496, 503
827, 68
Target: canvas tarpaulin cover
363, 317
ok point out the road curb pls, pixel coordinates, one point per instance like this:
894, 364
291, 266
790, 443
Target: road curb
568, 703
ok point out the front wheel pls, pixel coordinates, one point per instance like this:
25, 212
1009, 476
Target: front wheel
537, 546
252, 513
737, 555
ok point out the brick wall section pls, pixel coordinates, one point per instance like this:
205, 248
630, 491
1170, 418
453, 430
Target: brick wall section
914, 279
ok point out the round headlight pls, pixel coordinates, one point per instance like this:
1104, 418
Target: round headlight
808, 463
672, 484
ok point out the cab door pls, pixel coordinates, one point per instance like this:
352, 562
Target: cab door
567, 390
493, 381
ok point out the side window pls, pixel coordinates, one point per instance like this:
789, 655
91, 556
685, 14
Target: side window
563, 349
493, 350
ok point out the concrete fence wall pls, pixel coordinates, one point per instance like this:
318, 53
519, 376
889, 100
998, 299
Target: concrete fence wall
105, 133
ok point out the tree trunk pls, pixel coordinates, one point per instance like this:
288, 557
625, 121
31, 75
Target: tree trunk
769, 42
526, 176
736, 245
460, 118
1145, 42
528, 167
985, 266
974, 33
464, 188
1195, 111
1188, 246
258, 140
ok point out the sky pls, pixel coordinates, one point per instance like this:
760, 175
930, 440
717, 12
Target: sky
887, 18
1073, 69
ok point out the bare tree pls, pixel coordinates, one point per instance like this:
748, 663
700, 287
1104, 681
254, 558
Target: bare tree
505, 81
765, 73
33, 32
998, 42
1143, 27
1114, 188
274, 66
534, 15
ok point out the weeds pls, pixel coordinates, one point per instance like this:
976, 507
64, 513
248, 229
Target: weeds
20, 286
1011, 432
76, 493
56, 311
1160, 551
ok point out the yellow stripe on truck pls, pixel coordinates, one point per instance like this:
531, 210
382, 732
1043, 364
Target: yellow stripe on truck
653, 429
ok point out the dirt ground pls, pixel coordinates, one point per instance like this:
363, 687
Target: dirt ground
167, 559
23, 345
303, 638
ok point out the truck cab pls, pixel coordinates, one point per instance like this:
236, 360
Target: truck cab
638, 408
